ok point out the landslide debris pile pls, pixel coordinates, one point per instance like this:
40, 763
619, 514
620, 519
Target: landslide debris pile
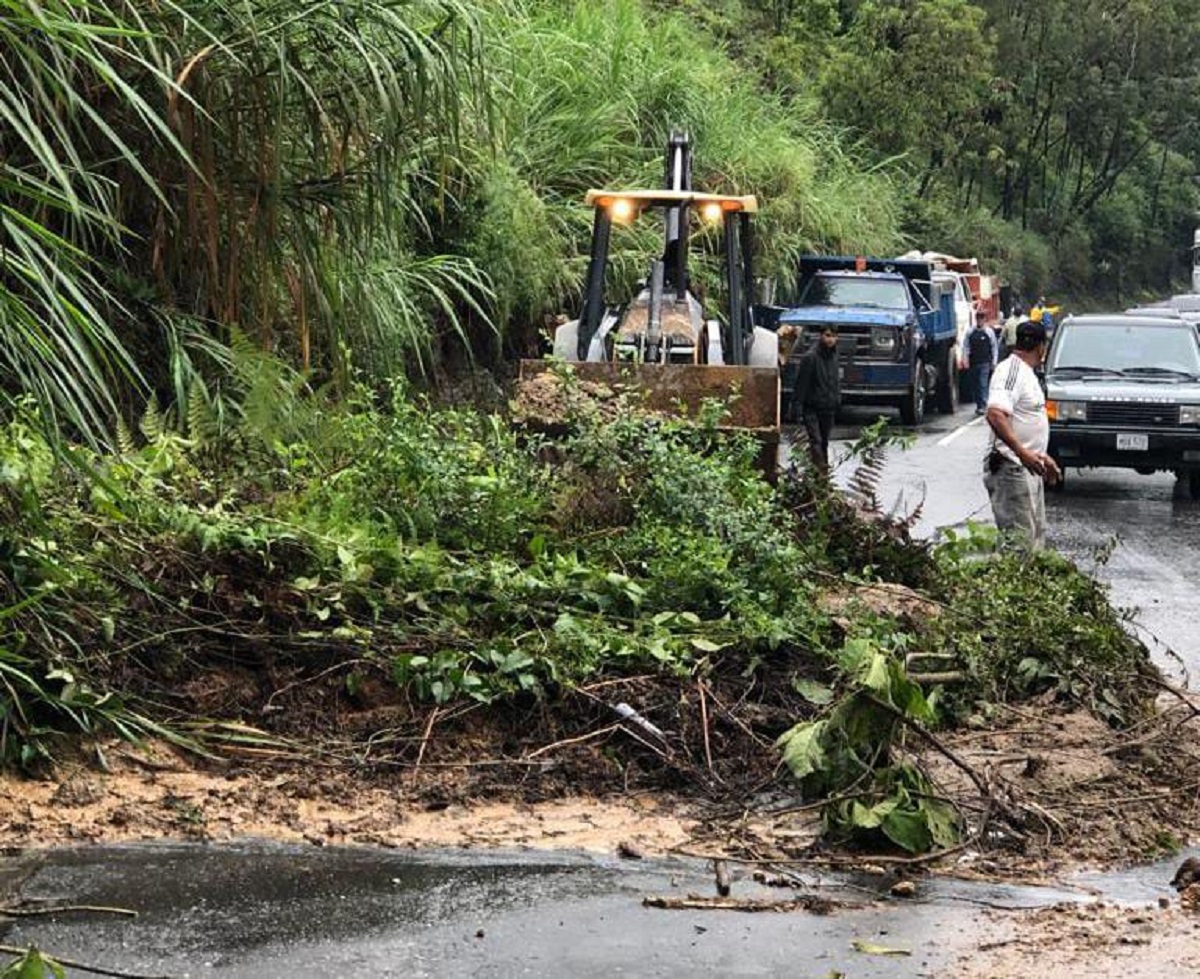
396, 587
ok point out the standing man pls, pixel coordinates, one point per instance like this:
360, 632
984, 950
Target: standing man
817, 394
1017, 465
1015, 317
982, 354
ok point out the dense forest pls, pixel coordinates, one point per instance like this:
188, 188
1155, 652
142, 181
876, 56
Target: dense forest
402, 180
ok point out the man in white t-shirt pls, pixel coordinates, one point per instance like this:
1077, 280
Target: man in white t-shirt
1017, 464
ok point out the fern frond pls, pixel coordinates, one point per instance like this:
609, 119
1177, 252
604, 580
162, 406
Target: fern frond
125, 445
203, 426
154, 423
868, 475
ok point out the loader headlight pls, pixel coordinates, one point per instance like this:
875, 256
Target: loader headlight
883, 339
1189, 414
1067, 411
712, 212
621, 210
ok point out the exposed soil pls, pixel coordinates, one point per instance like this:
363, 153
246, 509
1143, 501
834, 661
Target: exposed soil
1070, 940
1088, 796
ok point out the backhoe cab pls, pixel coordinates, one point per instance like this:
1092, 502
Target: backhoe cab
665, 323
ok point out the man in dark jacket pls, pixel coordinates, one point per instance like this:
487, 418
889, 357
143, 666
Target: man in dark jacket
817, 394
981, 358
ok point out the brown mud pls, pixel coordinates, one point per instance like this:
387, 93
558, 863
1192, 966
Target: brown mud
1077, 793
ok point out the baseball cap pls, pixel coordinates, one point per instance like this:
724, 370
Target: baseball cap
1030, 335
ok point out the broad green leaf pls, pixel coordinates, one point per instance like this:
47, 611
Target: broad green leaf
802, 750
33, 965
812, 691
878, 676
870, 948
907, 829
871, 817
706, 645
942, 821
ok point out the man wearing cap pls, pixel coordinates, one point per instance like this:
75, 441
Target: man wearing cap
1017, 465
818, 393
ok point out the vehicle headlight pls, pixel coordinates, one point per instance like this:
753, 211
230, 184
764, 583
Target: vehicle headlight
1189, 414
1069, 411
883, 339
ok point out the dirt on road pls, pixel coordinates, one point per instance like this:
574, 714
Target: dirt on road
1093, 798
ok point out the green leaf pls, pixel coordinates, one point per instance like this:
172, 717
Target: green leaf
706, 645
878, 676
803, 752
812, 691
33, 965
908, 829
942, 821
871, 817
870, 948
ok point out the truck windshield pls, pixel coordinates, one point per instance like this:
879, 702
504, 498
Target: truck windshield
1132, 348
855, 290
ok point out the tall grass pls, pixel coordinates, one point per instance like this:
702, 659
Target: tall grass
224, 163
586, 95
350, 183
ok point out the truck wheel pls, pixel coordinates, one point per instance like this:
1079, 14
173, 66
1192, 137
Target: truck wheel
912, 405
947, 385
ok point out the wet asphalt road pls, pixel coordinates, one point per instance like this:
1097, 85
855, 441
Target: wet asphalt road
272, 912
1148, 522
265, 911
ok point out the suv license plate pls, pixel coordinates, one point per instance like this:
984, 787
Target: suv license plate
1137, 443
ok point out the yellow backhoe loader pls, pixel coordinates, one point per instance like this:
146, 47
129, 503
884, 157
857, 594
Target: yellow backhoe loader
660, 342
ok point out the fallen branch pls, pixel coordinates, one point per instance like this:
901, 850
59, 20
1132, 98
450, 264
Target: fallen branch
62, 908
569, 741
433, 716
928, 736
1181, 694
704, 726
693, 902
349, 664
948, 676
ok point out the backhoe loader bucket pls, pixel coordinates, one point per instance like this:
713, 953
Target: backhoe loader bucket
749, 396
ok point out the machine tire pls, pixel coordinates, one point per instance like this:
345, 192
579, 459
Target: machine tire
912, 405
947, 385
1194, 484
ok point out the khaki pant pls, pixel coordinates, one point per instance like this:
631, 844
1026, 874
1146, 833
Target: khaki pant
1018, 503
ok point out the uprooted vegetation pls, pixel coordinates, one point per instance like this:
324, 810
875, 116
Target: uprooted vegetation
384, 585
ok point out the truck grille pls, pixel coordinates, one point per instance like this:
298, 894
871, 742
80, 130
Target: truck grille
852, 345
1132, 414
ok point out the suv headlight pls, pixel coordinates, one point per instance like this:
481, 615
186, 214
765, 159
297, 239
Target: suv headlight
1068, 411
1189, 414
883, 339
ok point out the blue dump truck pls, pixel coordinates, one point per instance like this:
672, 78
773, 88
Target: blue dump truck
897, 342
